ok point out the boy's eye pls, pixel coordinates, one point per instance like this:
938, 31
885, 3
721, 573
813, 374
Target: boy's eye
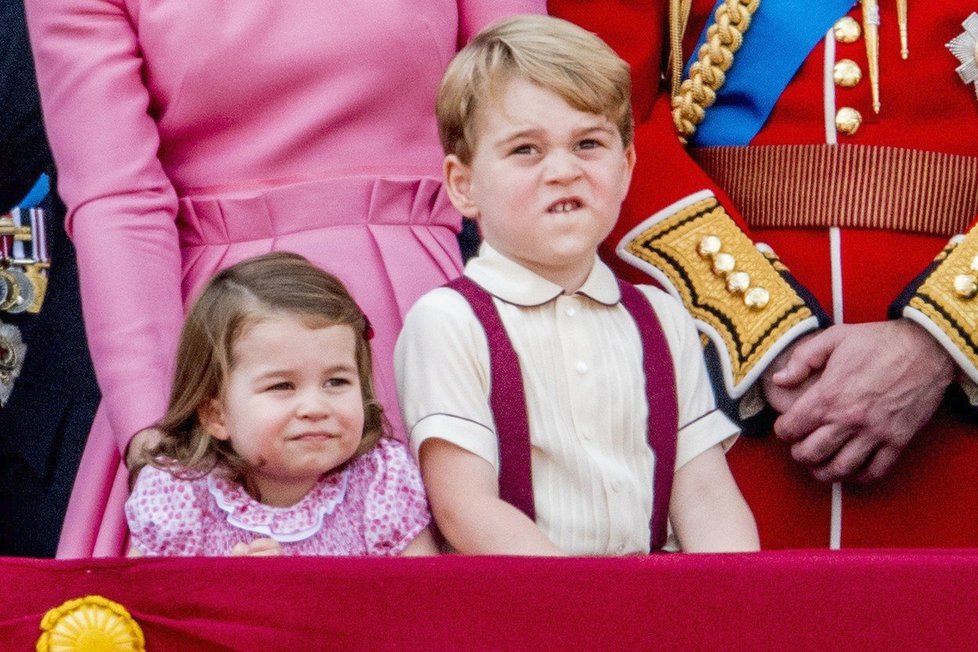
589, 143
279, 387
524, 149
338, 382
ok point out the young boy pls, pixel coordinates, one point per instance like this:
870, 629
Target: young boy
549, 455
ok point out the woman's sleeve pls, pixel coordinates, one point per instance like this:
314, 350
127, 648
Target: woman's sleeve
473, 15
396, 509
121, 206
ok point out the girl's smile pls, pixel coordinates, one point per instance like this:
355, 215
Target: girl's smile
292, 406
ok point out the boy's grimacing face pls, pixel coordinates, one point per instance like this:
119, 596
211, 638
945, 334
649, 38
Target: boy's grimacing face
545, 183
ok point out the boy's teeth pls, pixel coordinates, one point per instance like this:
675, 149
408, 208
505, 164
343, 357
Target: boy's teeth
564, 207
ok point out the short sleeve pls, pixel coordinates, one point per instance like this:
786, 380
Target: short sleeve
442, 366
165, 515
395, 507
701, 424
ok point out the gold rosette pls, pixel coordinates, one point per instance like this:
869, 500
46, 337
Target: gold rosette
90, 624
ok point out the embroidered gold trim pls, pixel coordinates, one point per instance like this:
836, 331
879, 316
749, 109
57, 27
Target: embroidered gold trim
938, 300
723, 38
747, 331
90, 623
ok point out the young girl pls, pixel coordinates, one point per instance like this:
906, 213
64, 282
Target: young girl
273, 441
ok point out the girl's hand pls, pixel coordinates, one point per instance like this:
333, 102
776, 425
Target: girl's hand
263, 547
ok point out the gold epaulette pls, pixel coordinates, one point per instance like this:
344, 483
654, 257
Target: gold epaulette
945, 302
736, 292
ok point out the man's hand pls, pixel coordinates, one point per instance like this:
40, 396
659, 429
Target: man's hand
782, 397
263, 547
880, 383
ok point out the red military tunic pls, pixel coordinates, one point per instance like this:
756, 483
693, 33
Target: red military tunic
855, 249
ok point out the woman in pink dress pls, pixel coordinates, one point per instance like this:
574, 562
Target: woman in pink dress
190, 136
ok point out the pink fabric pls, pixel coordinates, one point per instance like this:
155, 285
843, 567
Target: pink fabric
806, 600
376, 506
160, 112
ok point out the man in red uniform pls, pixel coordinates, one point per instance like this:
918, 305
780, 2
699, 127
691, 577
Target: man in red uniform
830, 162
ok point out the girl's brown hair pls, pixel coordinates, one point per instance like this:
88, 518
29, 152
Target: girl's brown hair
233, 301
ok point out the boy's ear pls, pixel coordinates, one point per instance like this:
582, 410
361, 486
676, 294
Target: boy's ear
211, 418
458, 184
630, 158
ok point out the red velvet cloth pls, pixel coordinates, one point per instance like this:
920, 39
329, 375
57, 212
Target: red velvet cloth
767, 601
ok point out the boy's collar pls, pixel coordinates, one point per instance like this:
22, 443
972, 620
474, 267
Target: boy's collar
509, 281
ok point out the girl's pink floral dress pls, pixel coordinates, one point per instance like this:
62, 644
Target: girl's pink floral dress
375, 506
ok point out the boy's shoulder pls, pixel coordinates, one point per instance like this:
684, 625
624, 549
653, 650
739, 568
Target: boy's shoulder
441, 306
661, 300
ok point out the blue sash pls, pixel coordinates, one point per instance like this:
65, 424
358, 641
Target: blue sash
781, 35
37, 194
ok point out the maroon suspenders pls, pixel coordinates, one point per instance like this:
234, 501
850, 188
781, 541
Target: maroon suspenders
506, 398
508, 402
660, 394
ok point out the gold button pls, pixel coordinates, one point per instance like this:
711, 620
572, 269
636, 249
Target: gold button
724, 263
974, 264
738, 282
846, 73
846, 30
847, 120
756, 298
966, 286
709, 246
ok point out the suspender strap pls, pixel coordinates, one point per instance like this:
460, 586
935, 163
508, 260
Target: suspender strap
660, 392
508, 402
507, 399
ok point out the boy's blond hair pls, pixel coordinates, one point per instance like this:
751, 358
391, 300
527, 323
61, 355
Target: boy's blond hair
552, 53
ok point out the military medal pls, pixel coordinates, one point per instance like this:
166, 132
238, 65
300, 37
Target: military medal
965, 48
12, 350
20, 291
23, 274
37, 271
36, 274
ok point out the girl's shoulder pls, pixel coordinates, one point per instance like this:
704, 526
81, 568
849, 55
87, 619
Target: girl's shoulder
388, 457
172, 480
388, 490
166, 511
166, 489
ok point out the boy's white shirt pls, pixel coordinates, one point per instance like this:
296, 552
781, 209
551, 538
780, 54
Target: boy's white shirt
581, 361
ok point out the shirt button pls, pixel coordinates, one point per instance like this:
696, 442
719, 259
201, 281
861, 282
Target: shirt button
620, 549
616, 485
570, 311
581, 368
